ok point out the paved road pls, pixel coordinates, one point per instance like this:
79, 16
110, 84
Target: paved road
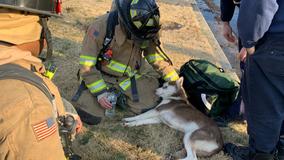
211, 14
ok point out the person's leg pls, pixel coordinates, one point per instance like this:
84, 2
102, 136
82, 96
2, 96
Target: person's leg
263, 95
90, 110
146, 87
280, 144
236, 114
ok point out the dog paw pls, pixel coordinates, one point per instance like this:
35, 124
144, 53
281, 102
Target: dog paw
124, 124
124, 120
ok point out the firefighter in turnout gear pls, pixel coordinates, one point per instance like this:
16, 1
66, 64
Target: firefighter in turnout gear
30, 104
118, 61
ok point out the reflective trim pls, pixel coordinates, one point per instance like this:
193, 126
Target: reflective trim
157, 17
126, 83
97, 86
138, 24
134, 2
80, 80
133, 13
87, 60
116, 66
155, 57
128, 70
150, 22
171, 77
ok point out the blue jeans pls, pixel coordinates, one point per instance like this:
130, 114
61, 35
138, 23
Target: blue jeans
263, 95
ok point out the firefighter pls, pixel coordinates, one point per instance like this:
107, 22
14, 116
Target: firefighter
29, 119
121, 64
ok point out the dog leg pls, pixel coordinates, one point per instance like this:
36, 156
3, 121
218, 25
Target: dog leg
190, 150
142, 121
146, 115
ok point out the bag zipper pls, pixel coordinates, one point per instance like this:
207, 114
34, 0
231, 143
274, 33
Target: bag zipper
208, 79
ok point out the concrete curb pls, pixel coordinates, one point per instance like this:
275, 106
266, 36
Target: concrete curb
219, 55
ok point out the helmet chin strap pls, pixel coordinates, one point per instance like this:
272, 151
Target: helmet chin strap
45, 34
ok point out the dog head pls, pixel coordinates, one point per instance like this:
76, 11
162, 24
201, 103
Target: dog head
171, 89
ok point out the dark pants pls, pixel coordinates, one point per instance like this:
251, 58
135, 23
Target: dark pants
237, 109
263, 95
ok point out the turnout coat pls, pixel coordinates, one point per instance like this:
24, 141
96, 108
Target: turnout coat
127, 61
28, 127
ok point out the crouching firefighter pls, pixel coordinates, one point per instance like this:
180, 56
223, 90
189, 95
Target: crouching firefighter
35, 122
113, 57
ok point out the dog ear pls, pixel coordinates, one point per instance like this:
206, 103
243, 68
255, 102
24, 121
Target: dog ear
179, 82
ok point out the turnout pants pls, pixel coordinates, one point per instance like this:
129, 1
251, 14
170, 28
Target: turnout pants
146, 86
263, 95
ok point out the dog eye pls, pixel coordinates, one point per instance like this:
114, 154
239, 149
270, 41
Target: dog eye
165, 87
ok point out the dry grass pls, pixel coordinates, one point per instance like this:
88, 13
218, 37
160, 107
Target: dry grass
183, 39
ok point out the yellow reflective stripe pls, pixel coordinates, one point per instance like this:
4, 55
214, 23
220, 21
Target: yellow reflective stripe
134, 2
116, 66
138, 24
80, 80
150, 22
171, 77
87, 60
97, 86
155, 57
128, 70
157, 17
126, 83
133, 13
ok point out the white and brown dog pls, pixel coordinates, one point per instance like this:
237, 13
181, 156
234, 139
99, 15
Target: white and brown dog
202, 137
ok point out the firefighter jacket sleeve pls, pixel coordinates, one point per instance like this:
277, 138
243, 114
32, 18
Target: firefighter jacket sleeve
29, 129
91, 47
227, 10
159, 62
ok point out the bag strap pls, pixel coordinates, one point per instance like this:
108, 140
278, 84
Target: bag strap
110, 30
13, 71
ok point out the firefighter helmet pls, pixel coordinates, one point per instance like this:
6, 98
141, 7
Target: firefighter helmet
141, 17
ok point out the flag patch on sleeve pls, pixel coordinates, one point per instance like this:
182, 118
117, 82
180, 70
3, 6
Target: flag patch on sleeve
93, 33
44, 128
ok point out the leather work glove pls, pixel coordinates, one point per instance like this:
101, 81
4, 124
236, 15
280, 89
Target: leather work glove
103, 101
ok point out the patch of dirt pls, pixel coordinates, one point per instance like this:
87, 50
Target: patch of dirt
171, 26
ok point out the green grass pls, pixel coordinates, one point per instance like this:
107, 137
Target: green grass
86, 138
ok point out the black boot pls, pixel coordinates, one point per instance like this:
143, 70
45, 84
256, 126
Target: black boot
280, 156
227, 120
244, 153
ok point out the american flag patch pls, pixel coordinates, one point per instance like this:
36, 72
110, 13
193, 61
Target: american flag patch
93, 33
44, 128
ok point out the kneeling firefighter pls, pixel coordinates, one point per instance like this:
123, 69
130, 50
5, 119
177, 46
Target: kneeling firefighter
35, 122
113, 59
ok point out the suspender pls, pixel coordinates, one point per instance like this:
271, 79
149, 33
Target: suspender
111, 23
13, 71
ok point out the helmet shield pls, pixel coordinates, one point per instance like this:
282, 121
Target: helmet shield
141, 17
